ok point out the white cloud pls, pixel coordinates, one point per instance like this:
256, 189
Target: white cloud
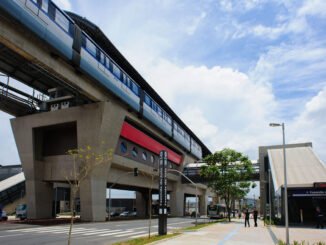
64, 4
221, 105
195, 23
310, 124
313, 7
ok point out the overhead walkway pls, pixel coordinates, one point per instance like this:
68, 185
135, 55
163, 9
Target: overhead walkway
192, 171
12, 189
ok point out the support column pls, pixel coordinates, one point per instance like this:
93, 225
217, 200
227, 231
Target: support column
203, 202
141, 204
101, 131
177, 200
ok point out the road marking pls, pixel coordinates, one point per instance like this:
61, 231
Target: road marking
133, 233
116, 233
12, 235
99, 232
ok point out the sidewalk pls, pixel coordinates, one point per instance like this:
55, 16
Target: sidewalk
225, 234
235, 233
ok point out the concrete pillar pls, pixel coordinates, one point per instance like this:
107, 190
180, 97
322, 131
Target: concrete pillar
103, 126
177, 200
39, 199
203, 202
141, 204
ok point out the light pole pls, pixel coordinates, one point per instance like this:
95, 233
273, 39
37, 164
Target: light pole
270, 197
285, 184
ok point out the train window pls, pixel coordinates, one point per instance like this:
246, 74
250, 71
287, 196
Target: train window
123, 147
102, 58
169, 120
90, 47
187, 137
135, 89
61, 20
147, 100
144, 156
159, 111
128, 82
45, 5
134, 152
107, 63
116, 71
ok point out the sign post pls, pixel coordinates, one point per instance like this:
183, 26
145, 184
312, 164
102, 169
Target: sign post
163, 213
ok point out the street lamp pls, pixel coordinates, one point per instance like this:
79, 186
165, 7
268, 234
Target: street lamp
285, 183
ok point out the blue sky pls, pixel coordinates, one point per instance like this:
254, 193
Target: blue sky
227, 68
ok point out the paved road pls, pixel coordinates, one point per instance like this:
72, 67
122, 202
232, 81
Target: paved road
88, 233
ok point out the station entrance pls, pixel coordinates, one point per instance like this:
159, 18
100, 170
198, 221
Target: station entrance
303, 203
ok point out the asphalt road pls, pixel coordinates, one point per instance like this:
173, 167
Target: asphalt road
88, 233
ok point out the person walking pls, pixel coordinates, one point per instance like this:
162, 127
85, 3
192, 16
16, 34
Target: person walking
247, 215
319, 218
255, 216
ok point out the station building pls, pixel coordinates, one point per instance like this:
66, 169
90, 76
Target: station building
306, 179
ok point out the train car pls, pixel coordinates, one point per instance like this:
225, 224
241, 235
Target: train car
100, 66
196, 150
180, 136
46, 20
154, 113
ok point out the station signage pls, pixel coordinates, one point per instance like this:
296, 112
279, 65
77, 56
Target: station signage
314, 193
163, 213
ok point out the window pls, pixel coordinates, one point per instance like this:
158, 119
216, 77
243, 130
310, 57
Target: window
116, 71
62, 20
107, 65
90, 47
144, 156
135, 88
152, 159
159, 111
147, 100
134, 152
123, 147
45, 5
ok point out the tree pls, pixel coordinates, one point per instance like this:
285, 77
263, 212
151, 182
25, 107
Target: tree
85, 160
228, 173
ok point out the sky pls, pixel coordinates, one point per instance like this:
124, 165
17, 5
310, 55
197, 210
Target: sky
227, 68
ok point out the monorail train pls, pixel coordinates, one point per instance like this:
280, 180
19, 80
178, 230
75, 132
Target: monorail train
55, 27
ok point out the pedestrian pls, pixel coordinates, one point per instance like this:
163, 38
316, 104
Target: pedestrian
255, 216
247, 214
319, 218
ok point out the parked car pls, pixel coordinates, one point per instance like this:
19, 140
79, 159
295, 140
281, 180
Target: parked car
4, 216
21, 211
114, 214
124, 214
133, 214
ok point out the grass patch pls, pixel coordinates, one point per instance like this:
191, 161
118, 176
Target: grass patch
146, 240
